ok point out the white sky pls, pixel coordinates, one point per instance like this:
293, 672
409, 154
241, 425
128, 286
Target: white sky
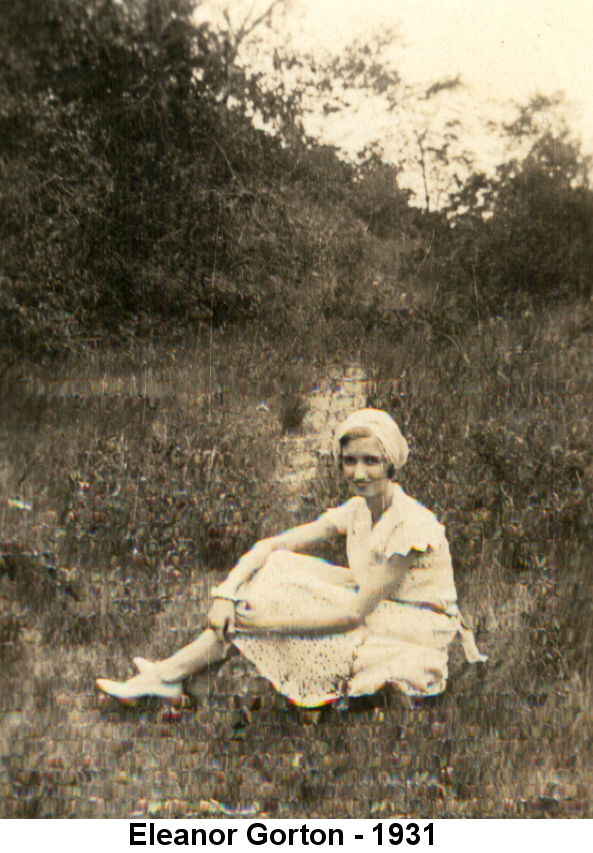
504, 50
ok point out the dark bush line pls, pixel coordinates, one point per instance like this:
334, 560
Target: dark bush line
140, 201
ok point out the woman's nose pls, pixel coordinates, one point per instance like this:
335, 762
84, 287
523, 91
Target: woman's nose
360, 472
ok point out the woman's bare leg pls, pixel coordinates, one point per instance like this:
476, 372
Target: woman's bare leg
163, 678
203, 652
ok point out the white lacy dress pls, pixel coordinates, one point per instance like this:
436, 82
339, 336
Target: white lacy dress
403, 642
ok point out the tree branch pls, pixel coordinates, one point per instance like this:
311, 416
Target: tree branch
245, 30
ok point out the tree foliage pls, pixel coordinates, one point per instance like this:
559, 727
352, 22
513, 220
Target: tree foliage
150, 179
526, 232
129, 152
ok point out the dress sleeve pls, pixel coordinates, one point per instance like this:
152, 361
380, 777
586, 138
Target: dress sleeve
339, 517
418, 531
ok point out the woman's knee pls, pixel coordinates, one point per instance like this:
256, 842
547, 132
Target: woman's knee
279, 558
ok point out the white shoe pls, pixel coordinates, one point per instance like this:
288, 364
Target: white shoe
145, 684
143, 665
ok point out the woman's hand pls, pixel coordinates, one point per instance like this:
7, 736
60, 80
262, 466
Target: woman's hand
221, 618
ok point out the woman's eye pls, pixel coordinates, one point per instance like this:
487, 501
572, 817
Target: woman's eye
372, 460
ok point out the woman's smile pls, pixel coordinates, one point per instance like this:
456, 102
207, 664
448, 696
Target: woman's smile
365, 470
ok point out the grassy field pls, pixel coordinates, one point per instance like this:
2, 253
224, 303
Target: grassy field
131, 481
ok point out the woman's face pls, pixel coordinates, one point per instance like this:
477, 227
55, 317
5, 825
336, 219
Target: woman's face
364, 467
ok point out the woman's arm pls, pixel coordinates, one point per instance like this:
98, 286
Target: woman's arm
381, 580
221, 617
294, 539
297, 538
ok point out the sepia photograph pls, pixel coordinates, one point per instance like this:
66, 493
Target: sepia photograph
296, 414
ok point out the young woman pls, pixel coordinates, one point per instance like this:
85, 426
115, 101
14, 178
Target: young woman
317, 631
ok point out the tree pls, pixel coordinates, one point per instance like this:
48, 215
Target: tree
526, 232
129, 150
139, 188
